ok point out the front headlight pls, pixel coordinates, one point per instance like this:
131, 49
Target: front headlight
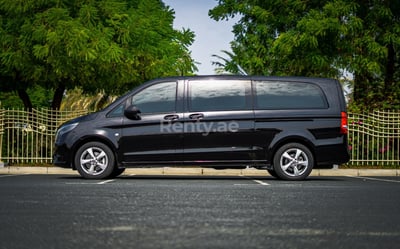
64, 129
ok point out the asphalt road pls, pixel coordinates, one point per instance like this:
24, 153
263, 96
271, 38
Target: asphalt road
65, 211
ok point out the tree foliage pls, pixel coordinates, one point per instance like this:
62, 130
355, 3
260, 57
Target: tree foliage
325, 38
109, 45
76, 99
41, 97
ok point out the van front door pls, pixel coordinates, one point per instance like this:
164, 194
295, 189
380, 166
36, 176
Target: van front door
147, 138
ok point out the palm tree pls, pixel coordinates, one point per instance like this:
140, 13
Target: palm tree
228, 65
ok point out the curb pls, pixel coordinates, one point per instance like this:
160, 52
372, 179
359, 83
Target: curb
14, 170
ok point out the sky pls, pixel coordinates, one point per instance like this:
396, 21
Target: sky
211, 36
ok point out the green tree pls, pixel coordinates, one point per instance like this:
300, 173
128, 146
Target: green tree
228, 65
109, 45
40, 96
326, 38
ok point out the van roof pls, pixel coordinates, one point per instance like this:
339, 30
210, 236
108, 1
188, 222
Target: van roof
249, 77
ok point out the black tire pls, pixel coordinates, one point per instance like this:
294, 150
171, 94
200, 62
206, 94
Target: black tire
293, 161
95, 160
272, 173
117, 172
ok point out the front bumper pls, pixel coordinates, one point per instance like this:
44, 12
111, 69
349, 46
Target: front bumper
62, 157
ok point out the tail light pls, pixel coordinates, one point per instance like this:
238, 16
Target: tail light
344, 129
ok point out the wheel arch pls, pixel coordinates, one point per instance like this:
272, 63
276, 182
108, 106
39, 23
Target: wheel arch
274, 147
89, 139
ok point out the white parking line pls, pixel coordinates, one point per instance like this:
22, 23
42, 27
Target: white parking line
374, 179
106, 181
256, 181
90, 183
6, 175
261, 182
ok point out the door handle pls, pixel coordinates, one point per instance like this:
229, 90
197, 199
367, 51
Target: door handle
196, 116
171, 117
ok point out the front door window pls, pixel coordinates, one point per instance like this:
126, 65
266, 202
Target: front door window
159, 98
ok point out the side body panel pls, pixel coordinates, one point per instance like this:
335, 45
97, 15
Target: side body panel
317, 128
228, 137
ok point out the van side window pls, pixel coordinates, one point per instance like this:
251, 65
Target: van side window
288, 95
218, 95
116, 112
158, 98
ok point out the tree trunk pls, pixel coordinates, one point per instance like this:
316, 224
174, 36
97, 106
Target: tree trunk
360, 88
58, 95
390, 69
25, 99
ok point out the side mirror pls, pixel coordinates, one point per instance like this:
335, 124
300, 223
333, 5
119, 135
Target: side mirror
132, 112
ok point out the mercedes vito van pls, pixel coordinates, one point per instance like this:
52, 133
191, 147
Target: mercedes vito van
286, 125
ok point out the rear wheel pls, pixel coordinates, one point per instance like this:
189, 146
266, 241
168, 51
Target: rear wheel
293, 161
95, 160
117, 172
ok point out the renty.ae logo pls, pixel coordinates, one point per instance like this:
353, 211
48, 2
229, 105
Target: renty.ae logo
205, 128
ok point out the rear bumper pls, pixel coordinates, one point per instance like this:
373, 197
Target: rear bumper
330, 155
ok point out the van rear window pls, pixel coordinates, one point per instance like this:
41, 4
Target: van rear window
288, 95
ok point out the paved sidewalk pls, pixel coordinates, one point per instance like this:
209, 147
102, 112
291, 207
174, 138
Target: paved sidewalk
202, 171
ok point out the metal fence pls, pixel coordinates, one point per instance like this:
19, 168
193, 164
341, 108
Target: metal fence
28, 137
1, 134
374, 138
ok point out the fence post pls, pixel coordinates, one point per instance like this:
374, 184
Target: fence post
1, 135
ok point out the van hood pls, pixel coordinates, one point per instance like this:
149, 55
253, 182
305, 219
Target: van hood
88, 117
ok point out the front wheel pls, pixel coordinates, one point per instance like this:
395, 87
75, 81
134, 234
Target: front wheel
95, 160
272, 173
293, 161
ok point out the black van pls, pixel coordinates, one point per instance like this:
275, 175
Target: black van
286, 125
